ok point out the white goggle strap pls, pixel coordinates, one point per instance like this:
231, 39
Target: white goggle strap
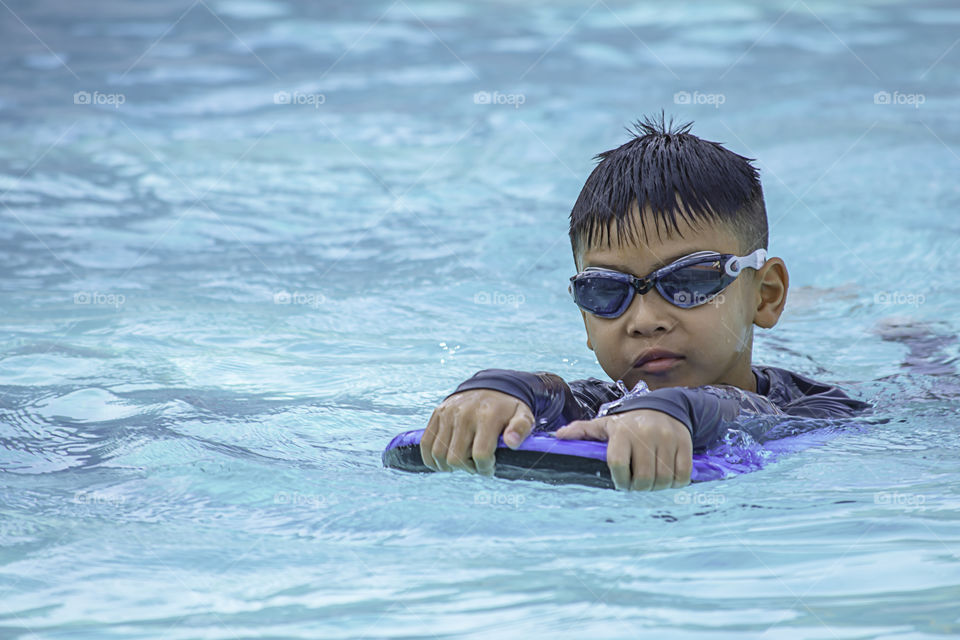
737, 264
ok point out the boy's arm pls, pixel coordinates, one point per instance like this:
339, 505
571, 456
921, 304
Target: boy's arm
799, 395
553, 402
709, 412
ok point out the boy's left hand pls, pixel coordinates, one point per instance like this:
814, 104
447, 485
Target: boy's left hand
646, 450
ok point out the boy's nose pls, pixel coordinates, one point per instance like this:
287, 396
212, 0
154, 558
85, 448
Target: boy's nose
647, 314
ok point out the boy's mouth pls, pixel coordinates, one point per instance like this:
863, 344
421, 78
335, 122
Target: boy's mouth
657, 360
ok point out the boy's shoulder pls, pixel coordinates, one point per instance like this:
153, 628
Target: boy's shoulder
801, 395
791, 392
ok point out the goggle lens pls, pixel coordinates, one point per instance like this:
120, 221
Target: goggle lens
694, 285
601, 295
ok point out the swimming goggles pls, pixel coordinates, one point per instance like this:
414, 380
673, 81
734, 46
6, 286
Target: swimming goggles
691, 281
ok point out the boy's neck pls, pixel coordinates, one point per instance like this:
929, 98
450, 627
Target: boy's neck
746, 380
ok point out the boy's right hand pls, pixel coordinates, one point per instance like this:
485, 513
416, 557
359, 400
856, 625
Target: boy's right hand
463, 431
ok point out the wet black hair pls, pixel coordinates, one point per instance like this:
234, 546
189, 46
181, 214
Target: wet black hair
659, 165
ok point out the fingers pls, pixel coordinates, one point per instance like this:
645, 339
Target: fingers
644, 467
441, 444
663, 472
654, 469
683, 464
619, 454
453, 453
435, 441
519, 427
484, 453
485, 448
428, 437
447, 439
643, 457
460, 453
583, 430
463, 431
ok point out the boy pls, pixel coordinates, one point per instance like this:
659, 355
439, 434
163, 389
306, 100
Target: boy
669, 239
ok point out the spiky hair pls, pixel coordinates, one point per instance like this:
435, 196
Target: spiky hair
678, 176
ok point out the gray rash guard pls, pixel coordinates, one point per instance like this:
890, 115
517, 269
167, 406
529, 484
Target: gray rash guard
708, 412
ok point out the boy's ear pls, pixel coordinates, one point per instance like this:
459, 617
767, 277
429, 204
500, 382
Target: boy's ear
772, 282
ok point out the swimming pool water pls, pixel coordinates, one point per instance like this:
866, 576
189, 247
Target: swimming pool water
246, 242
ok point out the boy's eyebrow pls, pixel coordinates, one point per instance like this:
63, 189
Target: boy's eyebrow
656, 266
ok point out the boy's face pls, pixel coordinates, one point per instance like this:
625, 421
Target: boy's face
713, 340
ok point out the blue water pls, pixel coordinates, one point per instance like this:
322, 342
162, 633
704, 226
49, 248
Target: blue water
220, 303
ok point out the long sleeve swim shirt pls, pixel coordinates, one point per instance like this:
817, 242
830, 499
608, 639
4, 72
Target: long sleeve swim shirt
708, 412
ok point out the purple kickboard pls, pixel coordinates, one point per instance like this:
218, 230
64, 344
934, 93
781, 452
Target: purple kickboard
584, 461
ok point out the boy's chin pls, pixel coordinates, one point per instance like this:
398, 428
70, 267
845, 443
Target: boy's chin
679, 376
661, 381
